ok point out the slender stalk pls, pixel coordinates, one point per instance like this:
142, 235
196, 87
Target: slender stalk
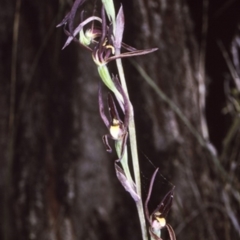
124, 160
133, 147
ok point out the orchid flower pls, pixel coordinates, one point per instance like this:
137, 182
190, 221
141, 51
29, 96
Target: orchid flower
117, 128
105, 40
157, 219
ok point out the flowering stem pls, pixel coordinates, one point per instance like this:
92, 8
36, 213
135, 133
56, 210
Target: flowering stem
133, 146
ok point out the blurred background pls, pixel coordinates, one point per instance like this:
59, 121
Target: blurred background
56, 179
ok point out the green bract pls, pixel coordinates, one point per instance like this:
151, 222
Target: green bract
106, 78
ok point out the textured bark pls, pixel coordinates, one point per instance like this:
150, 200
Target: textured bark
199, 201
174, 69
57, 180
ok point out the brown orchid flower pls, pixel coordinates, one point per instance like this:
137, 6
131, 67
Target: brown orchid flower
117, 128
157, 219
104, 40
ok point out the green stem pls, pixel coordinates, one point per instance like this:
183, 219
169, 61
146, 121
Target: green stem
133, 146
124, 159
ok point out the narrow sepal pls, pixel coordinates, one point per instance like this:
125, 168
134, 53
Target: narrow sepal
119, 28
171, 232
69, 18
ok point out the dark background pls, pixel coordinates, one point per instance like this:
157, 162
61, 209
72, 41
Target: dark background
56, 179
